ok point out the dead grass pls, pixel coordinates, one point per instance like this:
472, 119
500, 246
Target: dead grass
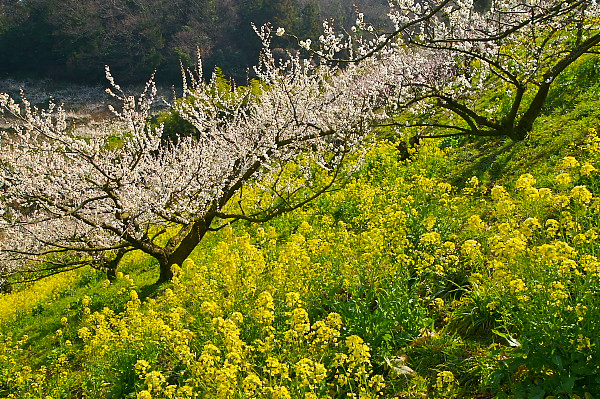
86, 106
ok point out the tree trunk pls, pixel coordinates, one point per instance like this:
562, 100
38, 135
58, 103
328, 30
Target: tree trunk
5, 286
111, 274
183, 250
525, 125
166, 273
111, 268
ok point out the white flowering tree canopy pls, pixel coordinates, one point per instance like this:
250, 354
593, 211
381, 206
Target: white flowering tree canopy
68, 201
442, 53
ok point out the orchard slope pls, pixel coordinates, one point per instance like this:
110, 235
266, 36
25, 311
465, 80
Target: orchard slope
416, 215
400, 284
298, 132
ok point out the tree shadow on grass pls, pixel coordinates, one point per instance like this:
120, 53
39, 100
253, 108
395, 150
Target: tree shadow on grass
152, 290
489, 163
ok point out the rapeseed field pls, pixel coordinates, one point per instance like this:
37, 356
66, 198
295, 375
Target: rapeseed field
471, 270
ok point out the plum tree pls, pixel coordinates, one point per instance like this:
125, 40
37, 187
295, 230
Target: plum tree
443, 53
259, 151
71, 201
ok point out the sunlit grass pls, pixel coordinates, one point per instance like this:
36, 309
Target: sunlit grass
427, 278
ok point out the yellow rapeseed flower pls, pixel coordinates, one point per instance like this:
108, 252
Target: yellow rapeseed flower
299, 321
568, 162
154, 381
563, 180
552, 227
530, 225
432, 238
444, 378
211, 309
471, 249
291, 299
475, 223
471, 185
587, 169
429, 222
499, 193
592, 142
251, 384
141, 368
280, 392
525, 181
84, 333
86, 301
310, 373
144, 395
581, 195
544, 193
517, 285
505, 207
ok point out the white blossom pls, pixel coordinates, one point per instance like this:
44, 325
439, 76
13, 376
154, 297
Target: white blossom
64, 194
79, 195
305, 44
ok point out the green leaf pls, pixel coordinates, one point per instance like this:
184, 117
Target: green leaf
511, 341
556, 359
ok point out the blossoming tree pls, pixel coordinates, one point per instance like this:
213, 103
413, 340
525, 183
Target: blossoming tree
441, 54
70, 201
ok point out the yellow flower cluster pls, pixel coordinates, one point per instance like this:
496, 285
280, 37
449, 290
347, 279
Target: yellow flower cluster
239, 321
276, 364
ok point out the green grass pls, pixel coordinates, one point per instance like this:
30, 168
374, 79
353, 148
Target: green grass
447, 309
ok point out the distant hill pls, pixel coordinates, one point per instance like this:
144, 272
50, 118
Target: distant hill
73, 40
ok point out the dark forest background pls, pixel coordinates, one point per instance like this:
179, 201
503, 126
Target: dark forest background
72, 40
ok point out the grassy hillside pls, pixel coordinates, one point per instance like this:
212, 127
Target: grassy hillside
469, 271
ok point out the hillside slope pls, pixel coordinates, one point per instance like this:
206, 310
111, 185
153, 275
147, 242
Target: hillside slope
469, 271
